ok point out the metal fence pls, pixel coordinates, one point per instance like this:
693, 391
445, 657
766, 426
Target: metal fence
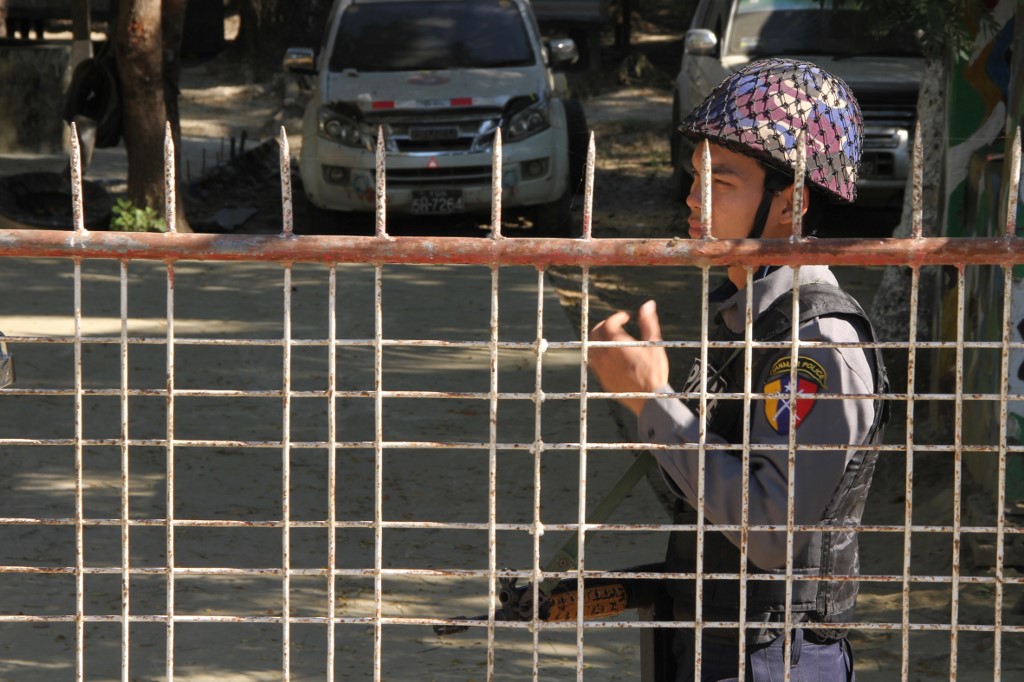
73, 575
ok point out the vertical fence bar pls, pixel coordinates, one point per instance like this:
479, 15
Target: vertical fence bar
748, 380
798, 186
588, 189
917, 211
917, 169
79, 510
77, 207
702, 425
958, 451
125, 482
908, 513
170, 198
378, 474
540, 345
286, 476
381, 196
705, 191
582, 510
1010, 229
332, 464
492, 466
496, 172
794, 354
287, 207
794, 351
170, 473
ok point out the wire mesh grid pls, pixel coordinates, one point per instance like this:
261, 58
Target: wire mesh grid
302, 486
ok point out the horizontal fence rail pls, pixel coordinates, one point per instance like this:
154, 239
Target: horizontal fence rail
374, 608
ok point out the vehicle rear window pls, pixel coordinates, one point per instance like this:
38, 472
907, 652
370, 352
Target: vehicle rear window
773, 27
415, 36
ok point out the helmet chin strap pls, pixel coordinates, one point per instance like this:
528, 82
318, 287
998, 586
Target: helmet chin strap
761, 217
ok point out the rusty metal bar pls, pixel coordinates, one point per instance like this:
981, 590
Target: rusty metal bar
287, 206
588, 189
492, 464
286, 427
125, 481
958, 431
169, 495
332, 467
748, 364
496, 175
582, 489
79, 492
331, 250
170, 195
536, 575
380, 187
378, 457
908, 490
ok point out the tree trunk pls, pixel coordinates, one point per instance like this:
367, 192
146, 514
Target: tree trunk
140, 67
3, 18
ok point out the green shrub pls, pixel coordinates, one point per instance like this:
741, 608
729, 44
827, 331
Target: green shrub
130, 218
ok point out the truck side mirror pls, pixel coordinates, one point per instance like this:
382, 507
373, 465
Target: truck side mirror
300, 60
700, 42
563, 52
6, 365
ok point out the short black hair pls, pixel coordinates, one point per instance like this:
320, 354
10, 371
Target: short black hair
777, 180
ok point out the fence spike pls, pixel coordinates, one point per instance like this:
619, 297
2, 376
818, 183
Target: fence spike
705, 191
496, 171
588, 188
1013, 196
381, 202
798, 185
77, 205
170, 200
287, 214
917, 190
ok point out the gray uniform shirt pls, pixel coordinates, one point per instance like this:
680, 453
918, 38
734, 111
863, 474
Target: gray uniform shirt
842, 423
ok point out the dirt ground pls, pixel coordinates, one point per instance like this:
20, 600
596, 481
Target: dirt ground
232, 475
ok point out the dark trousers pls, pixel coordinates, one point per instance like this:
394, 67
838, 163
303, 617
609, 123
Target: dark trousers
811, 659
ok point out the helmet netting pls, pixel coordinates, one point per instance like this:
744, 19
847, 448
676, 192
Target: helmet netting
760, 109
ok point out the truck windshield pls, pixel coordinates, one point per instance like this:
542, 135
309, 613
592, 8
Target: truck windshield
803, 27
417, 36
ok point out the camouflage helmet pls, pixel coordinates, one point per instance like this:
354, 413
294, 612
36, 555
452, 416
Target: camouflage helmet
760, 109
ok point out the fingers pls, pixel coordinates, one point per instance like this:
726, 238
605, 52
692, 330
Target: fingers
612, 328
647, 320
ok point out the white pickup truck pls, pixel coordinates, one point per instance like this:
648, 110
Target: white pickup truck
439, 77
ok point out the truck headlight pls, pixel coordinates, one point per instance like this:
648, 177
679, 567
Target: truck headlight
527, 119
338, 127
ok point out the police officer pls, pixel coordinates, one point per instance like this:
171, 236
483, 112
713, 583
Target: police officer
752, 121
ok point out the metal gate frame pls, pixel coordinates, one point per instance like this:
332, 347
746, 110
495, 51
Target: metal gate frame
287, 249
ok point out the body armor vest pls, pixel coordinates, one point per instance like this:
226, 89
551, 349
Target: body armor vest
833, 553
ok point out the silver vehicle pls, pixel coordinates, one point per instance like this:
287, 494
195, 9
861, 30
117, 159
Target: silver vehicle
884, 73
439, 77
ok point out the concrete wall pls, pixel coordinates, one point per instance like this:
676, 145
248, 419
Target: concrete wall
33, 77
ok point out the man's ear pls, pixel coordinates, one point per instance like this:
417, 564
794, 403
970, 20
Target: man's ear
787, 203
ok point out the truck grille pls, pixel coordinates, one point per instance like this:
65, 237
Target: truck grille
443, 131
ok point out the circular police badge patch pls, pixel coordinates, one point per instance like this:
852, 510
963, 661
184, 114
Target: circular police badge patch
811, 378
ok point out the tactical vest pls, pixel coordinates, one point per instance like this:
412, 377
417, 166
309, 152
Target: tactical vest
828, 553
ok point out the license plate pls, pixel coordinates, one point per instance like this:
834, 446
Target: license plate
437, 202
434, 133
